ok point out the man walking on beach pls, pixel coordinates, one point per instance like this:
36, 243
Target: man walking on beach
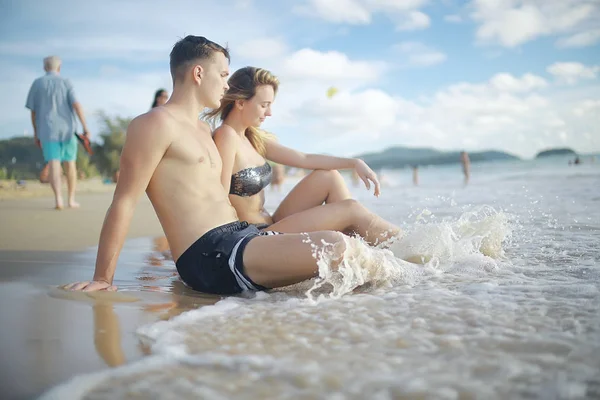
53, 107
170, 154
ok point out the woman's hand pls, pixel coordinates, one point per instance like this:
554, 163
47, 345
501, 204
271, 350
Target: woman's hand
367, 175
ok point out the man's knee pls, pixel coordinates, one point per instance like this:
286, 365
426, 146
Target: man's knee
331, 241
334, 241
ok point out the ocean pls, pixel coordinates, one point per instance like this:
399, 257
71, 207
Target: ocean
505, 306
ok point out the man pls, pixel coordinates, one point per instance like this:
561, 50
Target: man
169, 153
53, 107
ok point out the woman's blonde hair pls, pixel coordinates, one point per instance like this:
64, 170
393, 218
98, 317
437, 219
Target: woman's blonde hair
242, 86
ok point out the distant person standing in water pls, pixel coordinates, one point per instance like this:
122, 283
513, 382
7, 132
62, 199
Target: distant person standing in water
53, 106
160, 98
466, 164
278, 176
415, 175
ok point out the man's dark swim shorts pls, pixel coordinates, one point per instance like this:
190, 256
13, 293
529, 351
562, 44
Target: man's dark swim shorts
215, 263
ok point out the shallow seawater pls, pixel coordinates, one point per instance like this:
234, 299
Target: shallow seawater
506, 305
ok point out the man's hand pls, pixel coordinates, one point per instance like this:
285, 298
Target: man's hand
367, 175
92, 286
37, 142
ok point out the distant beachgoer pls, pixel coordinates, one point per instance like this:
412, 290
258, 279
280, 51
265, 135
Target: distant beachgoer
466, 164
577, 161
278, 177
415, 169
53, 106
160, 98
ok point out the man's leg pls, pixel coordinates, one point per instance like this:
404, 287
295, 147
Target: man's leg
315, 189
69, 156
52, 155
71, 182
56, 182
282, 260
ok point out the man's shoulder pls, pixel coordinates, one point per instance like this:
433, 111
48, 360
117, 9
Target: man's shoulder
153, 122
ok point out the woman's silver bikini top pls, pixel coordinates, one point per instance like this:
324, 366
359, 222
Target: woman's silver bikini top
250, 181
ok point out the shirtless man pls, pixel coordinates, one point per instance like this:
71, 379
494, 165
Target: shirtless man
170, 154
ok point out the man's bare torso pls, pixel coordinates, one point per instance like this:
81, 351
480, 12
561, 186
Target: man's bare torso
185, 189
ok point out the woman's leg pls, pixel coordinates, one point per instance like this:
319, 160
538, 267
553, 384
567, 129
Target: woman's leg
315, 189
343, 216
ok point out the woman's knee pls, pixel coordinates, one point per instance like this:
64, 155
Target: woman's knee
352, 206
328, 175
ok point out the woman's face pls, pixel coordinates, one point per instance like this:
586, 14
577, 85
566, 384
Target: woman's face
258, 108
162, 98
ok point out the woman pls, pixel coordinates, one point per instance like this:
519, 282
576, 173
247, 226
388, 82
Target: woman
245, 149
160, 98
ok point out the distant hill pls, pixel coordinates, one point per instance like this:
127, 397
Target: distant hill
399, 157
556, 152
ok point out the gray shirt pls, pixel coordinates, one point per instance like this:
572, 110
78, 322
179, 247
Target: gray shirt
51, 97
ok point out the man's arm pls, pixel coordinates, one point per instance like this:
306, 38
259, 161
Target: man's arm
145, 145
79, 111
76, 107
35, 136
30, 104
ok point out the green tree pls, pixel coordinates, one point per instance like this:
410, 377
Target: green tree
107, 155
84, 164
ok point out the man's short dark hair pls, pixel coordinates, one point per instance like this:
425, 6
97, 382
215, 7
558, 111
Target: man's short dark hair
192, 49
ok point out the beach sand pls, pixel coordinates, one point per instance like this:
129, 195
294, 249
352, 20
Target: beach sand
49, 335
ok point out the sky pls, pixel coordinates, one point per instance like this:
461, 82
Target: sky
513, 75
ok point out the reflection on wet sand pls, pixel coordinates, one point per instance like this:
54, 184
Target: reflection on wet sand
50, 334
158, 291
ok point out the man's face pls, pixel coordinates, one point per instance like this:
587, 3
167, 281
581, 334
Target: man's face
214, 80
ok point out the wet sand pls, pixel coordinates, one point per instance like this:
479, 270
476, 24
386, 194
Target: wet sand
48, 335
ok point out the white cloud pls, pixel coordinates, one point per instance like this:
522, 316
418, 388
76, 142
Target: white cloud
261, 49
404, 13
581, 39
511, 23
508, 83
587, 107
419, 54
412, 21
572, 72
338, 11
516, 114
330, 67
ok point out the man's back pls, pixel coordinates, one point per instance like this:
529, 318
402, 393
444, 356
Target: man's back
51, 97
